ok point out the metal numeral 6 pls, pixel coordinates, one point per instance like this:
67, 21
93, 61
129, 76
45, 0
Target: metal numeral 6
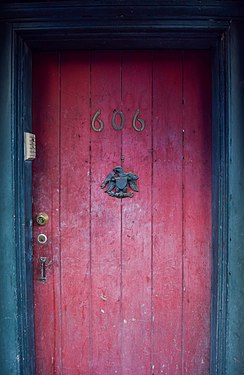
94, 119
135, 118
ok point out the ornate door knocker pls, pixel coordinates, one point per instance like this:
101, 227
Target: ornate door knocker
118, 182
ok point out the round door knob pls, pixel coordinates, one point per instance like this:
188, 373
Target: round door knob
42, 218
42, 238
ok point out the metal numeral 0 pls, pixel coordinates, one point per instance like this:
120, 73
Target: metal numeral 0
95, 118
135, 118
116, 127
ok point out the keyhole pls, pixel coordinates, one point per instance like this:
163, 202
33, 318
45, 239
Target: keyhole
43, 276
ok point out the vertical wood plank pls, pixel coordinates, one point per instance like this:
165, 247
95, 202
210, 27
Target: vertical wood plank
136, 216
46, 198
197, 177
105, 218
167, 212
75, 211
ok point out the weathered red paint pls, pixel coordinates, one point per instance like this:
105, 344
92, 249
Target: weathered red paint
167, 213
197, 212
136, 217
46, 198
128, 282
105, 220
74, 212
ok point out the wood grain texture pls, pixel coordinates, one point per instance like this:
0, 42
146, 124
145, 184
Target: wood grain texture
75, 211
197, 248
167, 213
136, 216
128, 290
46, 83
105, 219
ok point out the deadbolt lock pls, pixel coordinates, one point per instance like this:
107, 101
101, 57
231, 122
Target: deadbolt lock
42, 218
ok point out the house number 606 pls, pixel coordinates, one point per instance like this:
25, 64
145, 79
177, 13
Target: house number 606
118, 124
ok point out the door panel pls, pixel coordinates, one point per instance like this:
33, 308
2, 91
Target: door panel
167, 214
105, 219
75, 306
196, 215
128, 280
46, 80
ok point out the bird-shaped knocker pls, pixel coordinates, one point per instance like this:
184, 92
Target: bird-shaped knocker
119, 180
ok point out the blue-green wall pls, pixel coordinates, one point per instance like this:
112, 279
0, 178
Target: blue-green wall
235, 332
9, 354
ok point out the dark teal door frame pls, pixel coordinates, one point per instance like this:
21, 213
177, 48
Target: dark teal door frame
68, 25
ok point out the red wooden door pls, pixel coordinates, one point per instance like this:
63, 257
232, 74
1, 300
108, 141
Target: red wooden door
128, 280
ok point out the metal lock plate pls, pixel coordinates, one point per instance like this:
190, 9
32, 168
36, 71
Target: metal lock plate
42, 218
43, 275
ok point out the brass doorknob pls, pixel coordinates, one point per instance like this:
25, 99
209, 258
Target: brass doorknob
42, 218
